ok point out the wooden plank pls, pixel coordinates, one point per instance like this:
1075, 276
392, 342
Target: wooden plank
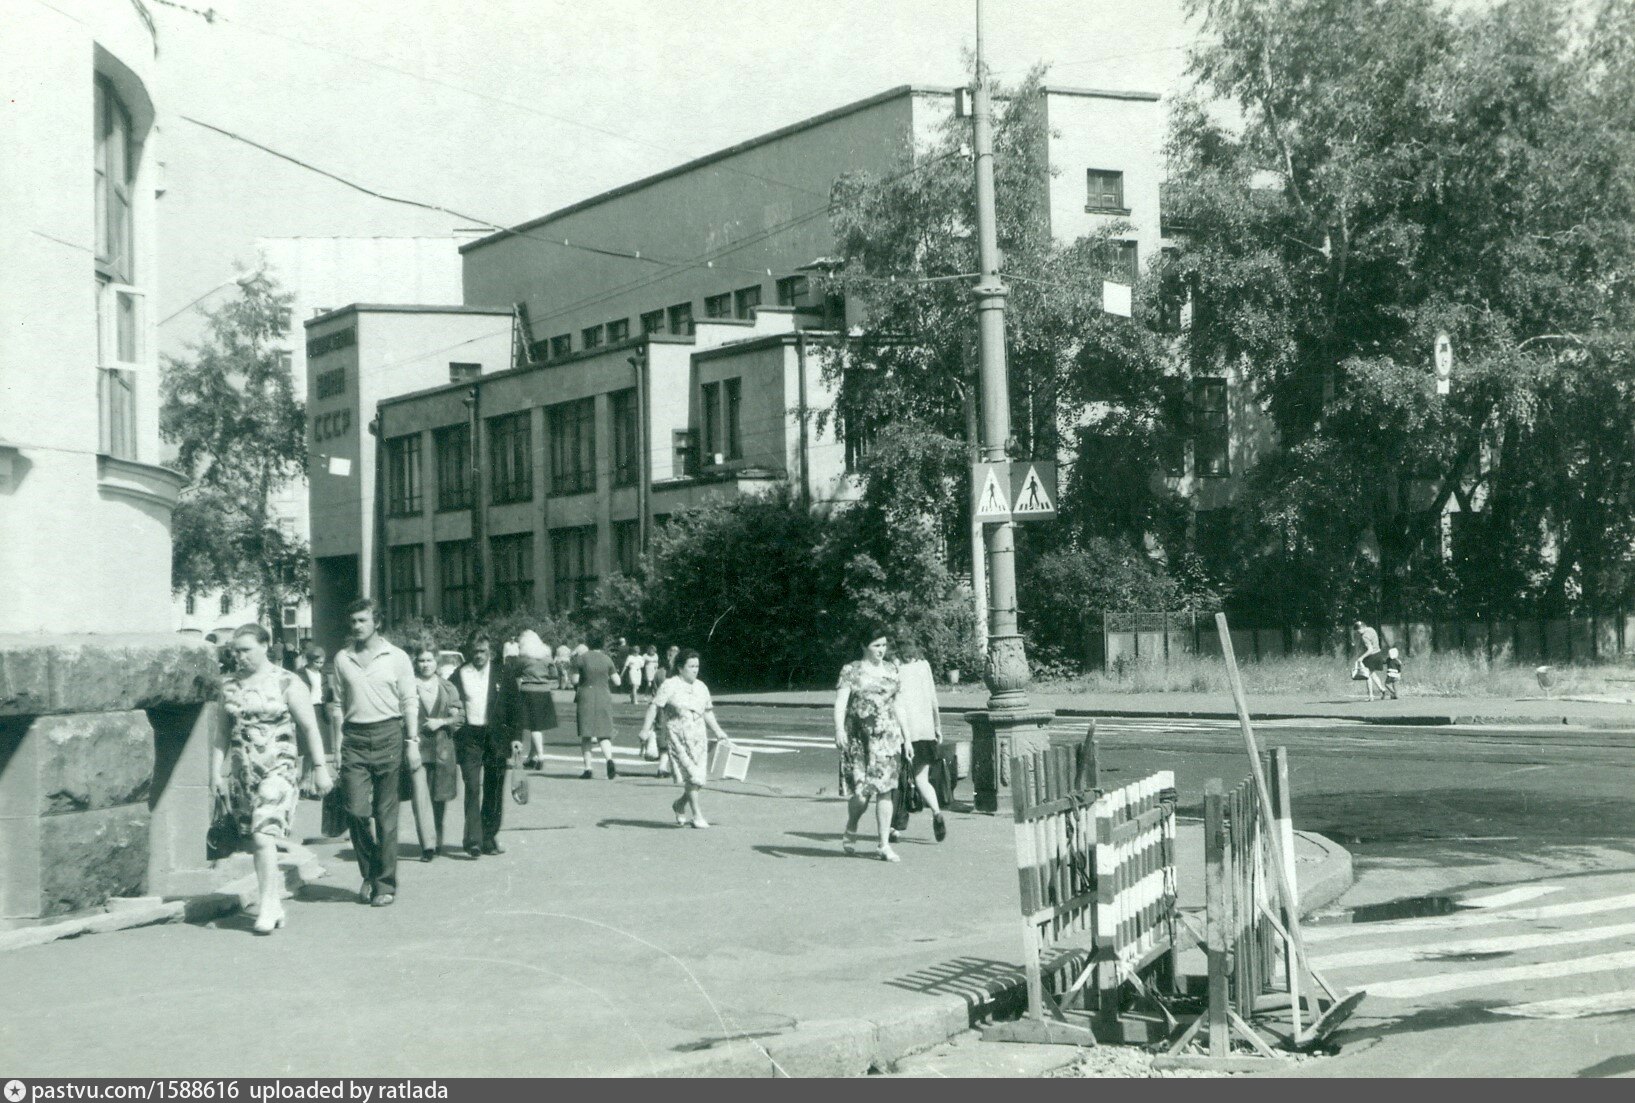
1215, 910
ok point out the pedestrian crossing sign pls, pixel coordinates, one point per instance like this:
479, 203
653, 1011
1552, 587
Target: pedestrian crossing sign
990, 488
1033, 493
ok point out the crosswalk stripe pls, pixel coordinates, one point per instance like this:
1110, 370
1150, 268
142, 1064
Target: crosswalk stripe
1437, 983
1510, 896
780, 741
1385, 955
1573, 1007
1475, 918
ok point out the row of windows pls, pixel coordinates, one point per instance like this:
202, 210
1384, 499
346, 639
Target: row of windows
676, 320
1197, 412
224, 604
574, 574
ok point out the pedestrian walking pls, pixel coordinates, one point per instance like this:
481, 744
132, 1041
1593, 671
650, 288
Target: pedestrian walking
378, 712
535, 707
1393, 671
485, 744
650, 670
441, 717
689, 717
254, 763
633, 674
1372, 661
922, 727
869, 734
564, 677
666, 671
315, 678
593, 675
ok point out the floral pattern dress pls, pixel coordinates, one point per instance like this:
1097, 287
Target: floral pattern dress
263, 764
874, 741
682, 708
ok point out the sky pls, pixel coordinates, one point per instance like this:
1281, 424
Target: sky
508, 109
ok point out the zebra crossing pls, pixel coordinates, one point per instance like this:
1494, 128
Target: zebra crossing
1548, 951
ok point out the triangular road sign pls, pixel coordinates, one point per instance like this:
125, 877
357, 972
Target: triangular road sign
993, 497
1034, 498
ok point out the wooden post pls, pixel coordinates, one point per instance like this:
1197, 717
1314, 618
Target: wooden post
1284, 809
1090, 761
1215, 914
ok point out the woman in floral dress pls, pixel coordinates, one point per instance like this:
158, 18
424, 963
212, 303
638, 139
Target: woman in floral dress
689, 716
256, 764
869, 726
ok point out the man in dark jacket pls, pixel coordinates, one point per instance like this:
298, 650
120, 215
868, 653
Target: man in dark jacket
484, 745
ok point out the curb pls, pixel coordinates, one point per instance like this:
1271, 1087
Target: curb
299, 865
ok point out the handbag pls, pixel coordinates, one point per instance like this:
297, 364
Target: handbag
650, 748
224, 838
334, 819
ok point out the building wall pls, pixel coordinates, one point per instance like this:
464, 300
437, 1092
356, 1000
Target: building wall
87, 545
1118, 131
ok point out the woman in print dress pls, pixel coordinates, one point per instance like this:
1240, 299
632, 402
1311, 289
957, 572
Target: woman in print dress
255, 764
869, 726
441, 718
689, 715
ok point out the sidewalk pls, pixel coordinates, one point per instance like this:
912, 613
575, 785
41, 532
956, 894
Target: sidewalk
606, 942
1408, 710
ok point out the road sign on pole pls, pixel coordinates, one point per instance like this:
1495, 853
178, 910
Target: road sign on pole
1033, 490
1444, 363
990, 492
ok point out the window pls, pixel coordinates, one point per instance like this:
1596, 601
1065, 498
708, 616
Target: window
403, 476
116, 413
1174, 429
1125, 259
453, 445
1211, 436
539, 352
561, 345
718, 306
115, 175
652, 322
292, 616
685, 452
406, 586
1105, 191
735, 401
225, 604
709, 420
192, 605
627, 547
680, 318
591, 337
626, 455
745, 300
1212, 534
513, 561
463, 373
511, 458
791, 290
618, 330
857, 448
1172, 293
457, 599
573, 446
573, 565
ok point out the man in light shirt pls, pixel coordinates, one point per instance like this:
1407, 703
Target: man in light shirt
483, 746
377, 712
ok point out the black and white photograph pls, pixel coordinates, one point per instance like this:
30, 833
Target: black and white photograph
928, 539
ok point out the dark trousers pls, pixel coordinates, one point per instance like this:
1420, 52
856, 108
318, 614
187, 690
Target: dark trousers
371, 765
483, 751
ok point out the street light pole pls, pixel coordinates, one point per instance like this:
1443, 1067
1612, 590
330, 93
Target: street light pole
1009, 725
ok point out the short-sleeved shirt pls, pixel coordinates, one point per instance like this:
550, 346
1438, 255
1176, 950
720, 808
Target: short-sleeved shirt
1370, 639
376, 684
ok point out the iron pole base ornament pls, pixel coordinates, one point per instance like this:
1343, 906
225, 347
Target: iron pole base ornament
995, 737
1007, 674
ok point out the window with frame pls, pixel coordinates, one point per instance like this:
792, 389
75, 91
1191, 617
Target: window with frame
573, 446
403, 497
456, 576
618, 330
510, 458
512, 560
539, 352
732, 399
627, 547
791, 289
453, 445
591, 337
1211, 440
680, 318
406, 584
1104, 190
626, 453
225, 603
718, 306
652, 322
709, 420
1126, 261
115, 178
685, 453
192, 605
463, 373
561, 345
573, 566
1174, 430
745, 300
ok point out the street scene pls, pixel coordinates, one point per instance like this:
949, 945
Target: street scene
1046, 540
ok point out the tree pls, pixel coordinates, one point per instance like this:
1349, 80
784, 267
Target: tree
1398, 170
239, 431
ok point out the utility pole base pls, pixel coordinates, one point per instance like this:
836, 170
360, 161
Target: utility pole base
996, 735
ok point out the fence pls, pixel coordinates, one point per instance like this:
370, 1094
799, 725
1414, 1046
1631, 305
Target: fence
1096, 864
1115, 638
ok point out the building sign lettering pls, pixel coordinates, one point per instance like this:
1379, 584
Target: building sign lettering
332, 383
329, 426
329, 342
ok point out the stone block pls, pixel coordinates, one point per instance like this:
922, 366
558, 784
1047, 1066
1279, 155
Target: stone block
90, 761
19, 869
86, 857
114, 673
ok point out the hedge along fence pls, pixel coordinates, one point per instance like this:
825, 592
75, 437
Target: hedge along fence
1114, 639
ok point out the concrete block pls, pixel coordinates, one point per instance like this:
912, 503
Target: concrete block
86, 857
1243, 645
1580, 639
1606, 639
90, 761
114, 673
19, 869
1474, 637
